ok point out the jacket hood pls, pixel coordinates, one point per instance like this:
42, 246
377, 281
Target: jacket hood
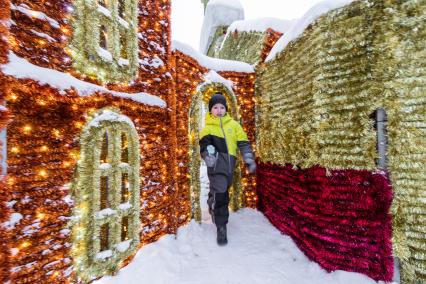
212, 120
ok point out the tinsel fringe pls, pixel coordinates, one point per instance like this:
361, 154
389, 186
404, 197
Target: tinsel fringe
340, 221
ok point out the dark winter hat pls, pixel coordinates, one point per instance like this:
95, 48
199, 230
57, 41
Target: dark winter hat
217, 98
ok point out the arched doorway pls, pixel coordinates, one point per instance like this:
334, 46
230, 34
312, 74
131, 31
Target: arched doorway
200, 101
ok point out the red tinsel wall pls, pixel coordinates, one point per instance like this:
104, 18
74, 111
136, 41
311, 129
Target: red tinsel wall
339, 220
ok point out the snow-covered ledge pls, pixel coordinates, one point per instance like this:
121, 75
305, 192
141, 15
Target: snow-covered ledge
215, 64
213, 77
22, 69
218, 13
298, 27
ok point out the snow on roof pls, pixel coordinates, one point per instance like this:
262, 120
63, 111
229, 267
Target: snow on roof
218, 13
212, 63
108, 115
301, 24
21, 68
212, 76
35, 14
261, 25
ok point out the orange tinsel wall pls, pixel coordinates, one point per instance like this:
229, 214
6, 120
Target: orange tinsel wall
42, 154
4, 118
270, 39
43, 138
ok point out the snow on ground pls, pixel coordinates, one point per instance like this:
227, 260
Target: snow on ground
299, 26
210, 62
257, 253
218, 13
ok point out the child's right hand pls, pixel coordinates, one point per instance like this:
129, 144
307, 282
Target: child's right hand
210, 160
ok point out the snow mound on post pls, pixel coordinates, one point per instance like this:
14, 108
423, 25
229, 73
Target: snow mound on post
218, 13
301, 24
215, 64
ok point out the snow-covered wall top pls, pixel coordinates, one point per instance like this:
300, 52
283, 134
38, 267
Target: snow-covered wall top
218, 13
261, 25
212, 63
21, 68
301, 24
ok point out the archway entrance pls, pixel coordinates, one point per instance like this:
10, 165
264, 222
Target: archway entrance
197, 110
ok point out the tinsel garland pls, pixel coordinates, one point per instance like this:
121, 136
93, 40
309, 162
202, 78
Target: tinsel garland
86, 222
43, 138
242, 46
217, 39
189, 77
269, 40
42, 154
4, 119
318, 94
339, 220
120, 39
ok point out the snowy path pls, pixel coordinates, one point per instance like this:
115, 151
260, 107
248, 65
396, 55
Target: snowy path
257, 253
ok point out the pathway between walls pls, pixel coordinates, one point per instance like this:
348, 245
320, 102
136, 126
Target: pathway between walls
257, 253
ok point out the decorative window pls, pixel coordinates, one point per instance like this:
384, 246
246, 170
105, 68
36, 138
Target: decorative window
104, 45
106, 225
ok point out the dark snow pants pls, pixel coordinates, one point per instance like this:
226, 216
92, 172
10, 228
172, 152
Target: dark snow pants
219, 197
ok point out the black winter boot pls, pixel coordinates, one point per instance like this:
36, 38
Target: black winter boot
210, 204
221, 235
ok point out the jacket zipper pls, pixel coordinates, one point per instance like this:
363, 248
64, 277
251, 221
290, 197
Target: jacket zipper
226, 143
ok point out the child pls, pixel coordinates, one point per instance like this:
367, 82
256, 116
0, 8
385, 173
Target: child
219, 140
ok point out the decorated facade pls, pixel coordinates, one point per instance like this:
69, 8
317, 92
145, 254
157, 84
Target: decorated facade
100, 116
340, 127
95, 142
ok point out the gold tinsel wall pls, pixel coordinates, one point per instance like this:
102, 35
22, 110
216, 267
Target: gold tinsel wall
317, 97
400, 80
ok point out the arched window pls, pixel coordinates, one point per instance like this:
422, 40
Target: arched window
105, 39
106, 221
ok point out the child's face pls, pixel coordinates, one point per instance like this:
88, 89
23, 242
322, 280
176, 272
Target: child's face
218, 110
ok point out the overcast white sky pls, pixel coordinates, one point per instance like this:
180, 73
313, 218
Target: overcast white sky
187, 15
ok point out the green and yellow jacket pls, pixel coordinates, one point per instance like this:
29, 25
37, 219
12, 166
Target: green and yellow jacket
226, 135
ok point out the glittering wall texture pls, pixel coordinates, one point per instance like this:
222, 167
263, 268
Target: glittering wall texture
106, 194
250, 47
340, 219
43, 149
4, 119
44, 137
105, 39
188, 76
46, 41
316, 98
242, 46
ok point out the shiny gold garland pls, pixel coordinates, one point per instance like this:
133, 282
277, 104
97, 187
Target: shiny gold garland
203, 95
86, 222
84, 48
242, 46
316, 98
